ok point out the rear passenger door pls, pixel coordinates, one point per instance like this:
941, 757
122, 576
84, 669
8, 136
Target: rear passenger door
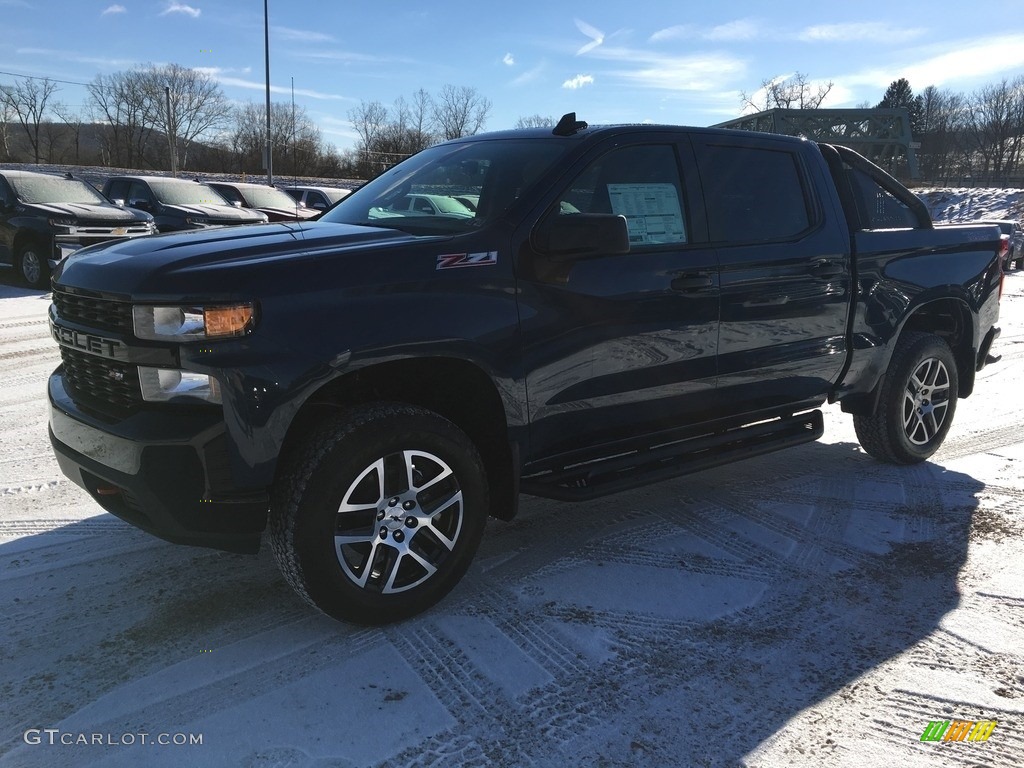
785, 270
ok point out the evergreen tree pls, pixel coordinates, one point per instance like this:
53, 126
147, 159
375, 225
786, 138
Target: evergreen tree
900, 94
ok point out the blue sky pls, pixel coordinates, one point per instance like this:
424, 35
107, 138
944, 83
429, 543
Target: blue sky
667, 61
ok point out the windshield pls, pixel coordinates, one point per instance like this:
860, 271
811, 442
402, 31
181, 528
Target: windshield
266, 197
450, 188
186, 193
54, 189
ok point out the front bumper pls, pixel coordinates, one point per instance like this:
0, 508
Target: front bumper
166, 473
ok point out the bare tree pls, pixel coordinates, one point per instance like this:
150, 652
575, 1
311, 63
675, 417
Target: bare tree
6, 117
298, 143
793, 92
197, 105
993, 128
368, 120
121, 103
420, 111
535, 121
27, 100
942, 118
460, 111
75, 122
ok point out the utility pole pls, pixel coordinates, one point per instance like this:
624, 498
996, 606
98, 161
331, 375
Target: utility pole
266, 45
170, 132
295, 163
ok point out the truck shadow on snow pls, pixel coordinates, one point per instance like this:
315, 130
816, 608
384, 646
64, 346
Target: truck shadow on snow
682, 624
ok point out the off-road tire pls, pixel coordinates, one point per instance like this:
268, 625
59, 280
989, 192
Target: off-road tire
321, 498
916, 404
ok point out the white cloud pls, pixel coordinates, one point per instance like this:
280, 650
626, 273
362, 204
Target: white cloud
870, 31
644, 68
678, 32
509, 60
219, 72
530, 75
964, 62
301, 35
742, 29
578, 82
237, 82
349, 57
66, 55
175, 7
596, 36
113, 9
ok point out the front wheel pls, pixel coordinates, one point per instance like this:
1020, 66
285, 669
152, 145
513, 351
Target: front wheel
917, 402
378, 515
33, 265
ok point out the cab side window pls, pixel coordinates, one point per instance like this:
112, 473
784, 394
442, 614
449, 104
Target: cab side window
753, 194
118, 190
639, 182
140, 191
231, 195
7, 196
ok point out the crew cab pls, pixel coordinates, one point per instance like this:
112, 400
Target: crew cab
626, 304
45, 217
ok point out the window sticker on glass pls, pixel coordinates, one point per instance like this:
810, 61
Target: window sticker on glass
652, 212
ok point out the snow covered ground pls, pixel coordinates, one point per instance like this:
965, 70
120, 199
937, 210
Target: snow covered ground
809, 608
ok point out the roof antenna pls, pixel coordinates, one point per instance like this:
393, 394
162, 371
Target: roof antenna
569, 125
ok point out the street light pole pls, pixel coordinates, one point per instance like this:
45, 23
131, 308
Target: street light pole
171, 138
266, 45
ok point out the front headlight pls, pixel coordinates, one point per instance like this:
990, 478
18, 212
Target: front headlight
163, 385
157, 323
68, 223
197, 221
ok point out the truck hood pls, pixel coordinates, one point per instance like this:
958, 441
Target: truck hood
288, 214
195, 261
212, 211
87, 212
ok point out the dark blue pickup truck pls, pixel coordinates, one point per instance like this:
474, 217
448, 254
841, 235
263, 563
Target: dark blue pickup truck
625, 304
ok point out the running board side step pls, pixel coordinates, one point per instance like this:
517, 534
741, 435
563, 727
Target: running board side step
582, 482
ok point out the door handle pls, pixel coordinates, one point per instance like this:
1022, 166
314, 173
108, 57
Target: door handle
691, 282
826, 268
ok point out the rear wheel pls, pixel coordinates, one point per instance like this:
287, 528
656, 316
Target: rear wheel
32, 264
917, 402
378, 515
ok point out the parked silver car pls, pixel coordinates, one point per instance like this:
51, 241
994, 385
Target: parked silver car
1013, 229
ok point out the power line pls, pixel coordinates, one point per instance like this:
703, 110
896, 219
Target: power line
37, 77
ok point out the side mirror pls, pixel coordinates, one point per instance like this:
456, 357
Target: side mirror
236, 203
141, 204
582, 236
118, 201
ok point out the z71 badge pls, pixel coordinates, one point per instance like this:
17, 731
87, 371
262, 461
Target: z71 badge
454, 260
